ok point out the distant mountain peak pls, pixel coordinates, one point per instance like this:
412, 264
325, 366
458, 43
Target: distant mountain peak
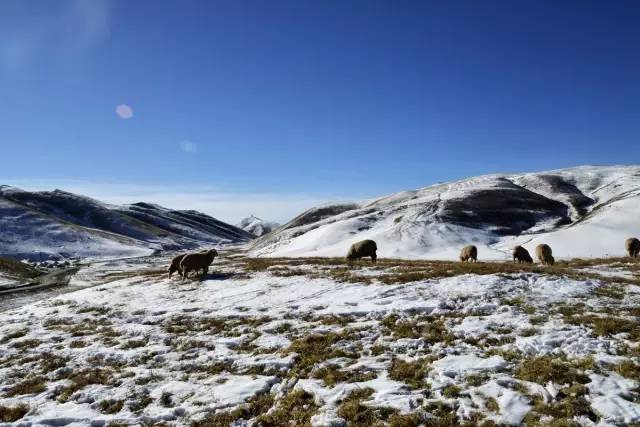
257, 226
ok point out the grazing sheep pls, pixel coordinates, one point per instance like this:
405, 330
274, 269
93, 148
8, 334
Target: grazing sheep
469, 253
543, 252
197, 261
520, 254
633, 246
175, 265
362, 249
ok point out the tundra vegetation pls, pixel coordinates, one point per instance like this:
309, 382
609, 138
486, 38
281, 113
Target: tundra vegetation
302, 340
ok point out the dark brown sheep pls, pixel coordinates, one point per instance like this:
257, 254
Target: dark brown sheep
520, 254
469, 253
633, 246
543, 252
197, 261
175, 265
364, 248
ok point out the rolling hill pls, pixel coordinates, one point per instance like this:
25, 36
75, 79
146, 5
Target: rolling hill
58, 224
585, 211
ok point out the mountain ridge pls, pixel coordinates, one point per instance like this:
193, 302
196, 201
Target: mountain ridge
58, 224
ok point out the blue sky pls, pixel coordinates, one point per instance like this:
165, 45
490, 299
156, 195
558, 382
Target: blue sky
263, 107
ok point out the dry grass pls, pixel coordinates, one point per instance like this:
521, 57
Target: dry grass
50, 362
25, 344
570, 403
607, 325
412, 373
629, 369
9, 414
111, 406
404, 271
332, 374
316, 348
358, 415
83, 378
294, 409
30, 385
255, 407
429, 328
19, 333
544, 369
18, 269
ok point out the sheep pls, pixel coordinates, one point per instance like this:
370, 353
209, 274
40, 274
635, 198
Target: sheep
633, 246
197, 261
469, 253
520, 254
543, 252
175, 265
364, 248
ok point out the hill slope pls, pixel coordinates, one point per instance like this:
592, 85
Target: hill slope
583, 211
57, 224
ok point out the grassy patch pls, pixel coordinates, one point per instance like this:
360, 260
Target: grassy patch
110, 406
332, 374
571, 402
9, 414
476, 380
610, 291
19, 333
629, 369
431, 329
255, 407
294, 409
94, 309
415, 270
492, 404
316, 348
78, 344
135, 343
25, 344
411, 373
18, 269
358, 415
451, 391
544, 369
30, 385
607, 325
83, 378
50, 362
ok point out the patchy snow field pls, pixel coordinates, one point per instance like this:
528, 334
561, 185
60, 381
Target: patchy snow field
318, 342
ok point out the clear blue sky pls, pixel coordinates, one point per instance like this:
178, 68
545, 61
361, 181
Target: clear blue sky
314, 98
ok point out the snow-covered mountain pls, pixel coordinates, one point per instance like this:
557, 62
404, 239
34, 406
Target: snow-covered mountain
256, 226
585, 211
57, 224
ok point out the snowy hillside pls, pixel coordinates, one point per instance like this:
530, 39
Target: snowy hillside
256, 226
57, 224
315, 342
581, 212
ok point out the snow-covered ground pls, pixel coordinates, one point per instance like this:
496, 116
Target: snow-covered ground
259, 344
